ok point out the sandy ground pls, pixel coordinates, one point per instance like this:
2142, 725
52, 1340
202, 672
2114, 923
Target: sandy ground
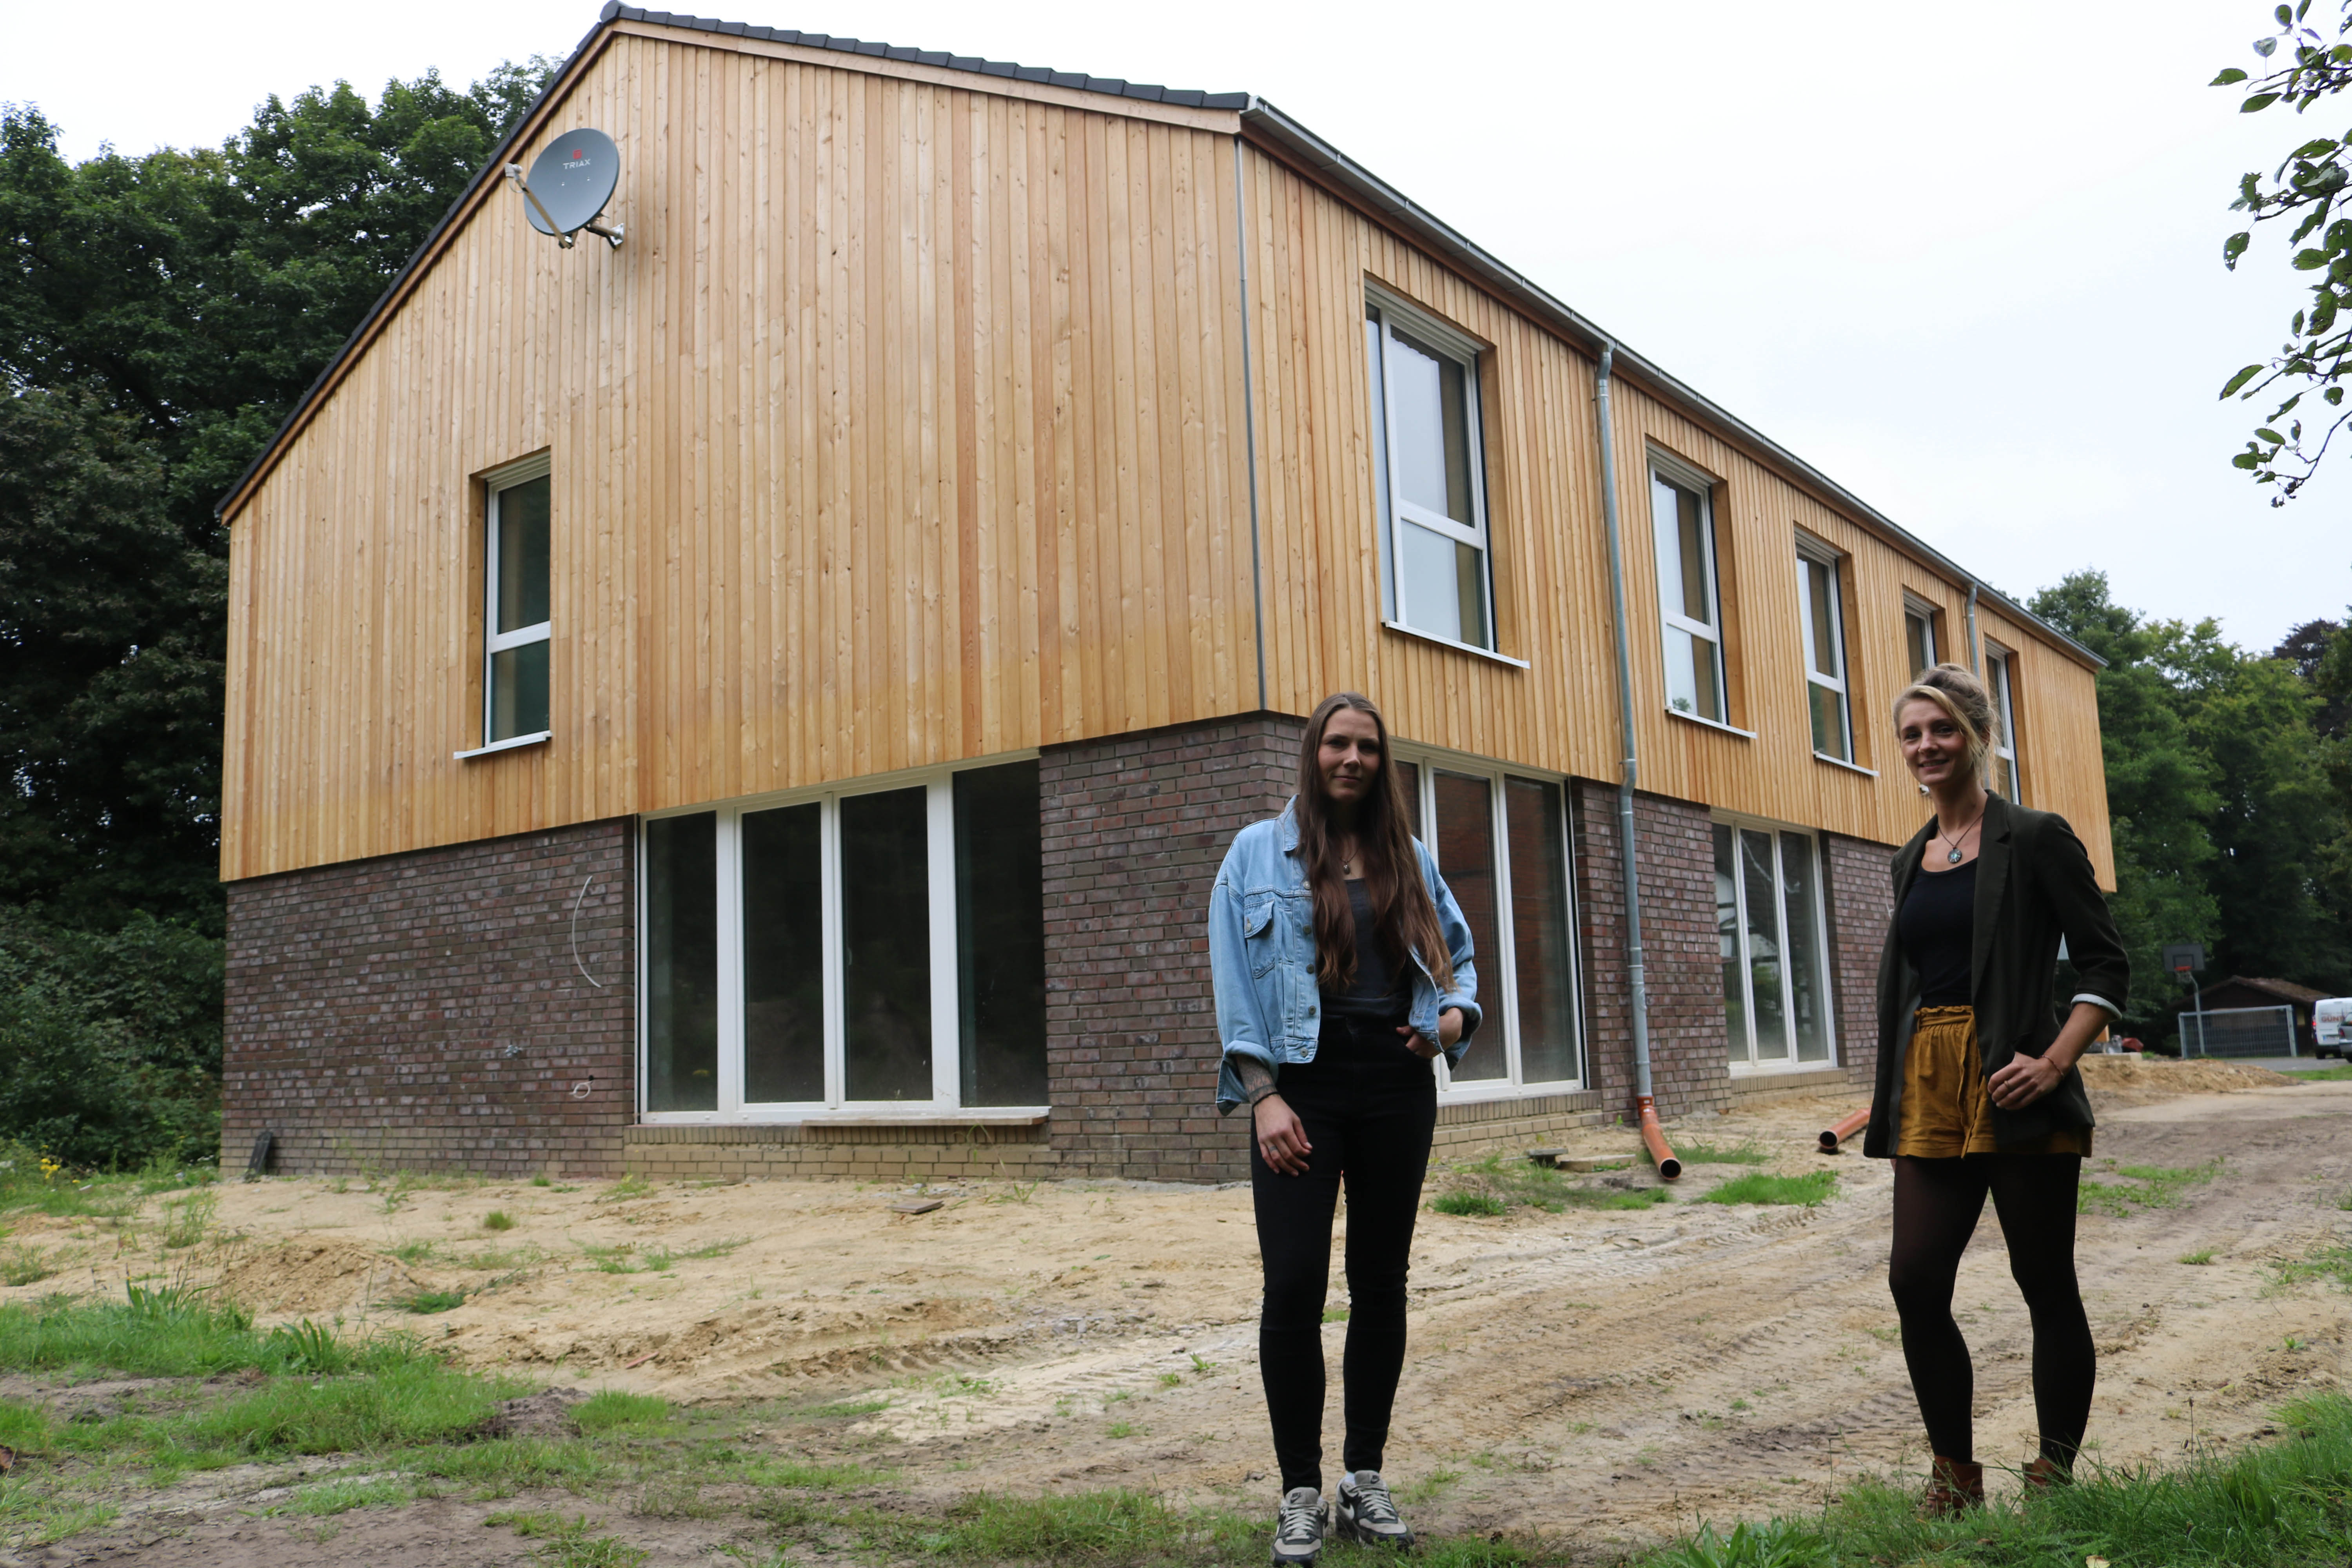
1613, 1375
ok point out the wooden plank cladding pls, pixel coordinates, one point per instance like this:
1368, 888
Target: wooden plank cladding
910, 425
1311, 256
903, 428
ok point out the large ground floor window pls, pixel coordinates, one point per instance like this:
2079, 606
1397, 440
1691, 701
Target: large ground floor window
1773, 932
1502, 844
871, 948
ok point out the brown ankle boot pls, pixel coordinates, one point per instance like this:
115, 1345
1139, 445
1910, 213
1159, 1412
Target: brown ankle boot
1953, 1488
2042, 1474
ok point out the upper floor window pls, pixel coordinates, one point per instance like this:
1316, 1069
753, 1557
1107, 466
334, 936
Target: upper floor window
1682, 514
1428, 470
1999, 671
1821, 608
516, 625
1918, 634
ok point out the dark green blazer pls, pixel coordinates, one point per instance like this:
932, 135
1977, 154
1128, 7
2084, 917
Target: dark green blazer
2034, 885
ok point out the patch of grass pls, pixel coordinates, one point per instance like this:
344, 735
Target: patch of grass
2203, 1255
1749, 1154
2337, 1074
187, 1220
341, 1497
1335, 1314
630, 1185
22, 1264
2332, 1264
177, 1332
2282, 1504
498, 1219
427, 1302
1468, 1204
1757, 1187
2156, 1187
1172, 1380
411, 1251
569, 1543
542, 1180
613, 1411
610, 1259
798, 1476
846, 1410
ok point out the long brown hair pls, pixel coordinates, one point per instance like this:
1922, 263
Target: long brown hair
1402, 911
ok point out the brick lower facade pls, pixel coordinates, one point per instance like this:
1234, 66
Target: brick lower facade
426, 1011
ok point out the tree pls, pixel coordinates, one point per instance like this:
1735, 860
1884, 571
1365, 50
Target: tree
2307, 190
159, 317
2162, 786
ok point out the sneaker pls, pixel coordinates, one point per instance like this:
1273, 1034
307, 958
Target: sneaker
1299, 1529
1367, 1512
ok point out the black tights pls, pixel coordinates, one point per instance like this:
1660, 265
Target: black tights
1937, 1204
1370, 1107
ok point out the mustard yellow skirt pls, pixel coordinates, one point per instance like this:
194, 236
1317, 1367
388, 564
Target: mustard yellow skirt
1947, 1110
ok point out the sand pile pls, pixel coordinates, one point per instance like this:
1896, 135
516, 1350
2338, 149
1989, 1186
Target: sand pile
312, 1276
2139, 1079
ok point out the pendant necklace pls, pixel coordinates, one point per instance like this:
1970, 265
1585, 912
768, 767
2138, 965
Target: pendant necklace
1954, 857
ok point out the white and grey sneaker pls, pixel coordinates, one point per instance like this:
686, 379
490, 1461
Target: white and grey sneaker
1299, 1529
1367, 1513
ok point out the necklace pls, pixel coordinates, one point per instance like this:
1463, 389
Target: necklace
1954, 857
1348, 863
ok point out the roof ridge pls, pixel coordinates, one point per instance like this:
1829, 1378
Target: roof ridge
1115, 87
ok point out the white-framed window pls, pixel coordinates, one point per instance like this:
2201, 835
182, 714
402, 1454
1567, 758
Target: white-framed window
1690, 605
1772, 927
1501, 839
2006, 776
1821, 611
871, 948
516, 630
1919, 635
1429, 475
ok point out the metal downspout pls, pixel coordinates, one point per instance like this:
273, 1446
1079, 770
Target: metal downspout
1972, 628
1645, 1106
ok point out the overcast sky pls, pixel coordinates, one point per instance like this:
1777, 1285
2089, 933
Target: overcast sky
1963, 259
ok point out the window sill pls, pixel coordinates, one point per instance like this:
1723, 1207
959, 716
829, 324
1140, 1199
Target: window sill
512, 744
1753, 1071
1842, 763
1709, 724
923, 1116
1402, 630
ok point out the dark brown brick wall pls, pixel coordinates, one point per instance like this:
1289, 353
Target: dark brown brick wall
424, 1011
1681, 963
1135, 827
1862, 901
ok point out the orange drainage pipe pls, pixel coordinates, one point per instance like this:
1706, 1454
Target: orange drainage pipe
1833, 1136
1655, 1136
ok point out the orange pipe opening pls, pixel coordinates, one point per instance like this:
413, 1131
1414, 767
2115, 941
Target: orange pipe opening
1655, 1136
1833, 1136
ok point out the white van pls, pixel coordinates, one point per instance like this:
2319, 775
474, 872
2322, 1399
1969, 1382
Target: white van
2331, 1021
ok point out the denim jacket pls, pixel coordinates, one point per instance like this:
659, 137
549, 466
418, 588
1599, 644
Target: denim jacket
1262, 956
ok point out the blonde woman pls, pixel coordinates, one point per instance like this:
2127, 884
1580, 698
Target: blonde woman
1978, 1091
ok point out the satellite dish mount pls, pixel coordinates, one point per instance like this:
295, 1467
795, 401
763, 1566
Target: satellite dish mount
569, 184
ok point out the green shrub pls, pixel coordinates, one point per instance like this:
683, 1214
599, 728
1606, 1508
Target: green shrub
498, 1219
1757, 1187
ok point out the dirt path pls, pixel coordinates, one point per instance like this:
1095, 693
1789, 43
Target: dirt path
1625, 1371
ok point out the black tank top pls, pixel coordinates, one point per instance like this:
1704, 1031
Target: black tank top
1378, 992
1937, 926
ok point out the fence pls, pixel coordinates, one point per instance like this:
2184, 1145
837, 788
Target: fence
2239, 1031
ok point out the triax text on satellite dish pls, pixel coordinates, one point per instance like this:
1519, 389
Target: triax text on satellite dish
570, 182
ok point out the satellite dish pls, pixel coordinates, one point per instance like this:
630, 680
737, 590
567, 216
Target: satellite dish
569, 184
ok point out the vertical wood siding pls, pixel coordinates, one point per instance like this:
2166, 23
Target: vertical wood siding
904, 428
907, 427
1310, 255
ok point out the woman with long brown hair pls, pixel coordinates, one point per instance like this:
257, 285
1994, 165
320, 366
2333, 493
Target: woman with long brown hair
1978, 1091
1342, 968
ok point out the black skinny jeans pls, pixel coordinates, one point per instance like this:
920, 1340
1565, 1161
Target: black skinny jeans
1937, 1205
1368, 1106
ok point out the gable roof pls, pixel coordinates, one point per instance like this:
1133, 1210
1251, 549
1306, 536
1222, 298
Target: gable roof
1266, 127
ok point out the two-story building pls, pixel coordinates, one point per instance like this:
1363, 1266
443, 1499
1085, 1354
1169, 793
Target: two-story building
770, 697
